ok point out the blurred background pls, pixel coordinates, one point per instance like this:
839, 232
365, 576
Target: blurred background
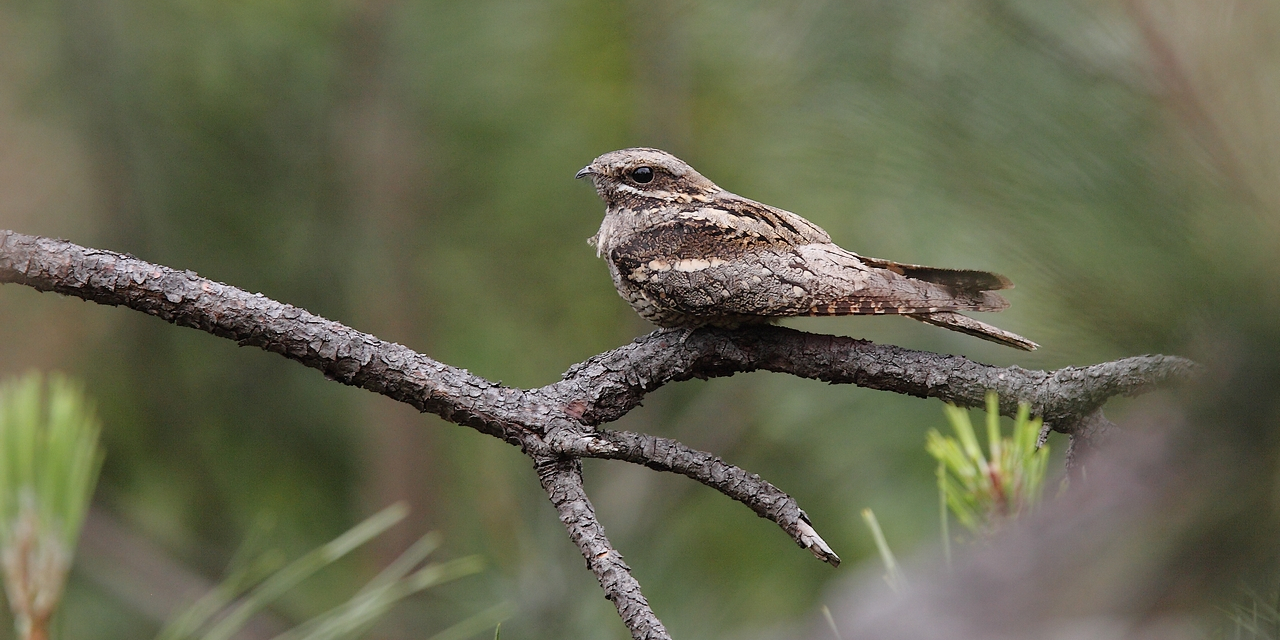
406, 167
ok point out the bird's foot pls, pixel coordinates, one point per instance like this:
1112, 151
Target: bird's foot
683, 332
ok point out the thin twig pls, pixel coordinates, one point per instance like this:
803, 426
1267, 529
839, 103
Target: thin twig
664, 454
561, 477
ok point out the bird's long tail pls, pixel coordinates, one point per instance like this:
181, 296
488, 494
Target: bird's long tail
965, 324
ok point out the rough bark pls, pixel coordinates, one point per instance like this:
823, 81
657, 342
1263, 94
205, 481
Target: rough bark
556, 425
561, 478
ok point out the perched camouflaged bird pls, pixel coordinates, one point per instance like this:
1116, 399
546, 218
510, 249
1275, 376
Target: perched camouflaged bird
686, 253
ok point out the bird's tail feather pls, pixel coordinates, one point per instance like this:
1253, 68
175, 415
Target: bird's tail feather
969, 280
965, 324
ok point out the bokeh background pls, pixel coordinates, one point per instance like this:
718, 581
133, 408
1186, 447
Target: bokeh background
405, 167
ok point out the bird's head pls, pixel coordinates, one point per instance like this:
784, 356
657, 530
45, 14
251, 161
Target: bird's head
642, 172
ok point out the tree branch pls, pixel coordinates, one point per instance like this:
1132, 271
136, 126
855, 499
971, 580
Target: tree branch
612, 383
556, 425
561, 477
664, 454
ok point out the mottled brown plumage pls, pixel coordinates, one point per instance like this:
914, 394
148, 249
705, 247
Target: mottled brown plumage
686, 253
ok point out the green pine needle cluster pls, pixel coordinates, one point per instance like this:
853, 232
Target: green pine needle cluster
49, 463
985, 490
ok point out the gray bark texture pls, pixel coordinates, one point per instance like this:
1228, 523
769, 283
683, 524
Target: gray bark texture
559, 424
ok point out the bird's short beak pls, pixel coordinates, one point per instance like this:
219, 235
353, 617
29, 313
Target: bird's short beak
586, 171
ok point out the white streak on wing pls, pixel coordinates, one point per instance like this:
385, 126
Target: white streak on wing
718, 216
689, 265
686, 265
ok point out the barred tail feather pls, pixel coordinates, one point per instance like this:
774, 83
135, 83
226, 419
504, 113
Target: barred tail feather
980, 301
965, 324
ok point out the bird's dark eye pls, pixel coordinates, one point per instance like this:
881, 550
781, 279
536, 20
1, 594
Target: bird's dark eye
642, 174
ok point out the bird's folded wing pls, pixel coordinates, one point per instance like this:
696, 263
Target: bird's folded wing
703, 274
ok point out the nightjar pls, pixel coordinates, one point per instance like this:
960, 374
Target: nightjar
686, 253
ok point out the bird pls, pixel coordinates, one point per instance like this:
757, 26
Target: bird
687, 254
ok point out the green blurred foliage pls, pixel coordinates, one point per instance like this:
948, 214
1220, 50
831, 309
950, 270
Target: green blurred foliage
406, 167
